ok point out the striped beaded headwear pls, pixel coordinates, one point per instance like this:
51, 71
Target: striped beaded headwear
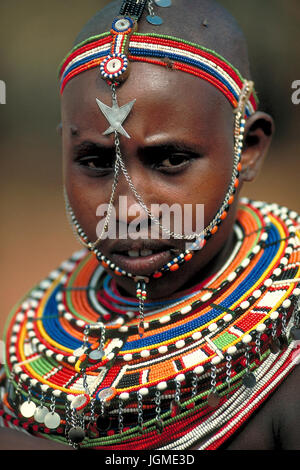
107, 51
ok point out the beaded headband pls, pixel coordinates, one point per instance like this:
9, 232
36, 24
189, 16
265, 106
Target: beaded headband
107, 52
112, 52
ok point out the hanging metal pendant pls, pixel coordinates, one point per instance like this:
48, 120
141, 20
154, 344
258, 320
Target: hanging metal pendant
103, 423
27, 409
40, 414
213, 399
116, 116
249, 380
155, 20
76, 434
96, 355
163, 3
52, 420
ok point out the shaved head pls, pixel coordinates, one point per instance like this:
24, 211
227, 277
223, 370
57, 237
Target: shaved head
204, 22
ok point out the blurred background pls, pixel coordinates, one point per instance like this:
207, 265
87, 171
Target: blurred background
34, 37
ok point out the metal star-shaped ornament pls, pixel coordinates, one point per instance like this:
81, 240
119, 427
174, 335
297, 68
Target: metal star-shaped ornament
116, 116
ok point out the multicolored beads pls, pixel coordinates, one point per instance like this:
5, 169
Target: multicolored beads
211, 348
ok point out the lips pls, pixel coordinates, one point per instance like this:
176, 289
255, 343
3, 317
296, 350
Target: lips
142, 257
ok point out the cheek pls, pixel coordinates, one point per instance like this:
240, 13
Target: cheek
85, 195
206, 183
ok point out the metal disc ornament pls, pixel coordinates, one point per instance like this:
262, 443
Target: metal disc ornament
27, 409
76, 434
213, 399
106, 394
163, 3
96, 355
249, 380
156, 20
103, 423
52, 420
40, 413
80, 402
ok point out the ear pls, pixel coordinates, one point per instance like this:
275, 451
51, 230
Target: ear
259, 130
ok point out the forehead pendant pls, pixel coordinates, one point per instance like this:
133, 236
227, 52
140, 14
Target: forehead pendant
115, 115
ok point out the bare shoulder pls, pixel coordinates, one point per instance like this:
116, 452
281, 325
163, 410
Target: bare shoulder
11, 439
276, 424
286, 415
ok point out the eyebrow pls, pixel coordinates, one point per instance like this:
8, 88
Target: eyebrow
147, 152
169, 148
88, 147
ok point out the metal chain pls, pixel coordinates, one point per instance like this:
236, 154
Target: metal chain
274, 329
257, 345
213, 376
247, 356
92, 408
120, 417
140, 410
52, 406
177, 392
228, 370
157, 403
283, 322
150, 8
194, 385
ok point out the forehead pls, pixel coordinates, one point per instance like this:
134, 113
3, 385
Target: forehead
165, 99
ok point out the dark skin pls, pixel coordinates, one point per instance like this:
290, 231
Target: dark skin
199, 122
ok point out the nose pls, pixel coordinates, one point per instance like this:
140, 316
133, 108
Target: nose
133, 191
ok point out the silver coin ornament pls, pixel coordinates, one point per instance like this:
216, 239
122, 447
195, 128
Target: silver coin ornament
76, 434
96, 355
156, 20
52, 420
163, 3
27, 409
105, 394
40, 414
249, 380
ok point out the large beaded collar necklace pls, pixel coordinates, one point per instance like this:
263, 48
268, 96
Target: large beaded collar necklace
78, 372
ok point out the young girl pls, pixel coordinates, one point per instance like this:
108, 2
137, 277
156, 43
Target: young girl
183, 340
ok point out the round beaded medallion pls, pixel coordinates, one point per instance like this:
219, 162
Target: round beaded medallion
113, 66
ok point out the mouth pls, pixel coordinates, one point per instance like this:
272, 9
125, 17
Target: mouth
143, 260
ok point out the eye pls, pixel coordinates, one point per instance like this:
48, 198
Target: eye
174, 162
96, 164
